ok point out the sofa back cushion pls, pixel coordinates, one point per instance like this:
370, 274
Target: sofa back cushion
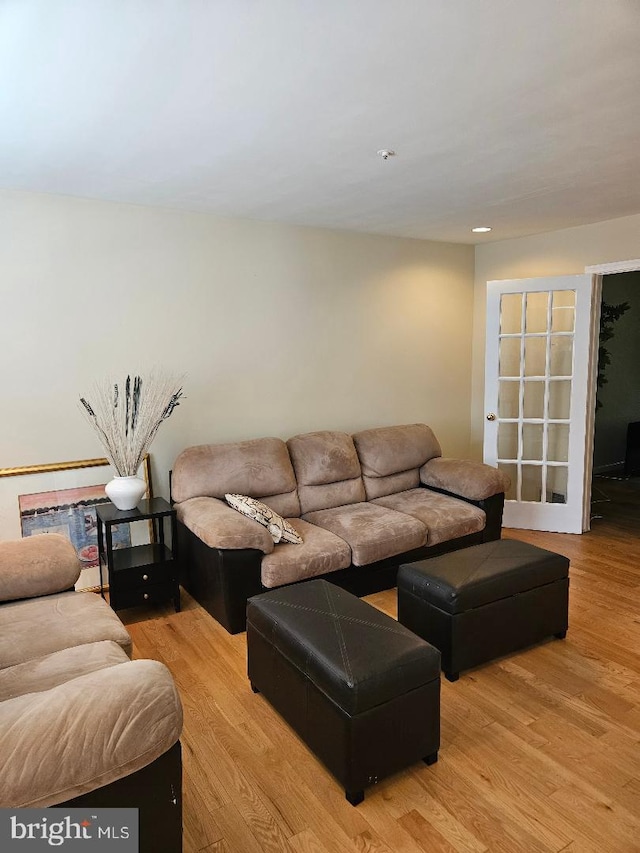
327, 470
260, 468
37, 565
391, 457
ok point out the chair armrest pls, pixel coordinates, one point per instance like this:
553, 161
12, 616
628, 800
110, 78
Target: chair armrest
474, 481
86, 733
219, 526
37, 565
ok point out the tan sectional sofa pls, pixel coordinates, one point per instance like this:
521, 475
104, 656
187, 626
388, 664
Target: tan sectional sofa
363, 504
80, 723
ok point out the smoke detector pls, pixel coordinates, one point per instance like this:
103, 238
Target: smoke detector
385, 153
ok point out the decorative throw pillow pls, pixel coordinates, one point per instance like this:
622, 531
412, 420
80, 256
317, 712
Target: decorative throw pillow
278, 527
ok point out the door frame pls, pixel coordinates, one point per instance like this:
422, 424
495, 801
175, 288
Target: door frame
598, 271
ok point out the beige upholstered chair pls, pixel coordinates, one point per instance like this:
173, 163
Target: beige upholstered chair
80, 723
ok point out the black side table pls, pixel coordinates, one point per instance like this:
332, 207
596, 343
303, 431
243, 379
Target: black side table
141, 574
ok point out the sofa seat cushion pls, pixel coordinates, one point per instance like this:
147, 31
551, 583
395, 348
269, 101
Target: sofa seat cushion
319, 553
39, 674
445, 518
372, 532
36, 627
219, 526
86, 733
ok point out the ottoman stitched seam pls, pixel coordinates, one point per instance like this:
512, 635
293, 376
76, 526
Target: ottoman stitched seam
341, 641
353, 619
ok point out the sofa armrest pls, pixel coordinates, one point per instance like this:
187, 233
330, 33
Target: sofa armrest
474, 481
37, 565
86, 733
219, 526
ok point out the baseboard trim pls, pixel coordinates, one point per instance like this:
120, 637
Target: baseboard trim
610, 468
105, 588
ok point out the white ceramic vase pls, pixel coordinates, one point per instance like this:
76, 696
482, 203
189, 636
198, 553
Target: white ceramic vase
125, 492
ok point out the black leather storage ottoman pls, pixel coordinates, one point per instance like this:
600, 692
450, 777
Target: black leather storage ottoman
482, 602
361, 691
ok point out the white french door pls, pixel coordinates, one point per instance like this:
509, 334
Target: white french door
537, 377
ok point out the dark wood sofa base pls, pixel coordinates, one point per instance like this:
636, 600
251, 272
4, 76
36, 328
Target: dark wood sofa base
156, 791
221, 581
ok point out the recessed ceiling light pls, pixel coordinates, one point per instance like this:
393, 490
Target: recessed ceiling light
481, 229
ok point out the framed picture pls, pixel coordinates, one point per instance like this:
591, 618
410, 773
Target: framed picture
62, 498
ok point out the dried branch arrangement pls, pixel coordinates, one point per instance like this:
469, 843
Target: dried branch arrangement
127, 416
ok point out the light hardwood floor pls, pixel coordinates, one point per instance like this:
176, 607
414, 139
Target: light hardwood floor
540, 750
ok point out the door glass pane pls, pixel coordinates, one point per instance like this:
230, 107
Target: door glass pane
557, 484
507, 441
559, 400
510, 313
532, 441
535, 356
563, 311
558, 443
533, 403
561, 357
508, 397
536, 319
531, 483
509, 356
512, 473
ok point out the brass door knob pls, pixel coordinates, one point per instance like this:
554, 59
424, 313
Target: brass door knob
491, 416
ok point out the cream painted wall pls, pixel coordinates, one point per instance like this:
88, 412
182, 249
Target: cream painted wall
565, 252
277, 329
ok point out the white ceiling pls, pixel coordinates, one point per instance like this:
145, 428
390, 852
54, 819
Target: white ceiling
520, 115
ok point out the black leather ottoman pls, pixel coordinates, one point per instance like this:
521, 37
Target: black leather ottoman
482, 602
361, 691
